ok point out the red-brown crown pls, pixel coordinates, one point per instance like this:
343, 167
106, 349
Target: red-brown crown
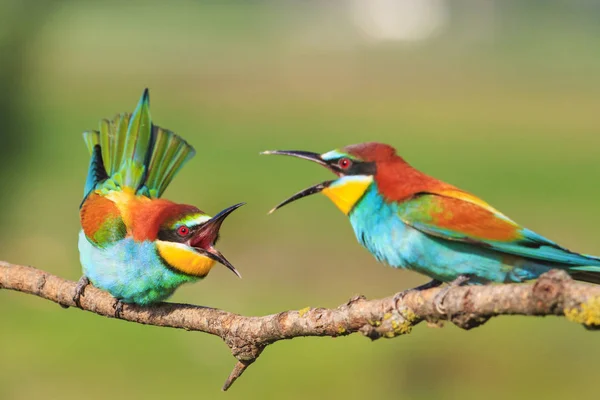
396, 179
372, 151
149, 217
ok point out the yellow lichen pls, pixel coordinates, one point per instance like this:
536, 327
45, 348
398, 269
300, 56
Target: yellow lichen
341, 330
409, 318
302, 312
409, 315
588, 314
402, 325
401, 328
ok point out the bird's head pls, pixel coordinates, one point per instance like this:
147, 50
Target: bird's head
186, 239
355, 166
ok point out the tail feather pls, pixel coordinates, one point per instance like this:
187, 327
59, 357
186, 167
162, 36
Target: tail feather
113, 135
96, 171
107, 136
168, 156
91, 139
137, 154
592, 276
134, 155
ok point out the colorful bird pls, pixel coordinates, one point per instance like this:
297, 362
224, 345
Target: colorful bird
133, 244
410, 220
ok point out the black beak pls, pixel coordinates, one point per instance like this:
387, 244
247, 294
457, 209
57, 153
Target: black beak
306, 192
220, 258
205, 238
307, 155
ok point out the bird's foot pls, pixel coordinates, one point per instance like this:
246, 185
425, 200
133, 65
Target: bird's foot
118, 306
438, 301
79, 289
431, 284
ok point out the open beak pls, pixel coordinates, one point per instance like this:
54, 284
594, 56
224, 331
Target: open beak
307, 155
207, 235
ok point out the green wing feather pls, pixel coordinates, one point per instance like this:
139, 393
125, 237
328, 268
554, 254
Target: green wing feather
137, 154
464, 218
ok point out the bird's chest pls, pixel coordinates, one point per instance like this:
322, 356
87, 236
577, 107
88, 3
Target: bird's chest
379, 229
129, 270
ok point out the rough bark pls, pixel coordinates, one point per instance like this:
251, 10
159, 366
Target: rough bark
555, 293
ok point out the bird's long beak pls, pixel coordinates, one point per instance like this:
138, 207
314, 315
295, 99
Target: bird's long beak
307, 155
207, 235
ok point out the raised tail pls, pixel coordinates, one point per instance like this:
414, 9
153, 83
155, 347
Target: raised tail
131, 153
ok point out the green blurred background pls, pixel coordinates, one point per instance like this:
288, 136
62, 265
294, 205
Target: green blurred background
497, 97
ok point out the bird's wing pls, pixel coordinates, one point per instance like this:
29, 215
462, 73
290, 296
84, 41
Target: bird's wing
101, 220
456, 215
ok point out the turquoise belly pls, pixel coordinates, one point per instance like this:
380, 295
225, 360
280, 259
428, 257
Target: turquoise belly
378, 228
130, 271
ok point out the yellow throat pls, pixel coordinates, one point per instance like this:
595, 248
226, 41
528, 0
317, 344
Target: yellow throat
346, 191
184, 259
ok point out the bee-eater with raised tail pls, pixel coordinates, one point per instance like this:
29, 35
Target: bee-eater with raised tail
133, 244
410, 220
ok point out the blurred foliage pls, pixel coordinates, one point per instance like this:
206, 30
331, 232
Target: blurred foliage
501, 100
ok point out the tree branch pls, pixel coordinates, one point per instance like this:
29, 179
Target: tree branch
555, 293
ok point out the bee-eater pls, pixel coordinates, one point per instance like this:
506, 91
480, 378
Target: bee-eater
410, 220
133, 244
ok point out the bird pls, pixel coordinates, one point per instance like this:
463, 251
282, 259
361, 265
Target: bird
134, 244
407, 219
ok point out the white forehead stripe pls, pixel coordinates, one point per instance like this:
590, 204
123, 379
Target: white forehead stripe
332, 155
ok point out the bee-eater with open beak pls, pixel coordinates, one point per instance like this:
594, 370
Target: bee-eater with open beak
133, 244
410, 220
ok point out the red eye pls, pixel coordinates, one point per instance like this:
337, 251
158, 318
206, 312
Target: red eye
183, 230
344, 163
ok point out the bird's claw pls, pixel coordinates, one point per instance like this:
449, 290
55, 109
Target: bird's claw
400, 295
118, 306
80, 289
438, 301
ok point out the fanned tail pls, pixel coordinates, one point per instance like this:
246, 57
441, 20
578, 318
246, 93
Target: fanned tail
134, 154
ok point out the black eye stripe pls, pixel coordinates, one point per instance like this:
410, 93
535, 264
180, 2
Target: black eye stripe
170, 236
173, 235
355, 168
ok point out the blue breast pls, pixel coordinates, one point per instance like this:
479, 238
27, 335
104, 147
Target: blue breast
379, 228
130, 271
